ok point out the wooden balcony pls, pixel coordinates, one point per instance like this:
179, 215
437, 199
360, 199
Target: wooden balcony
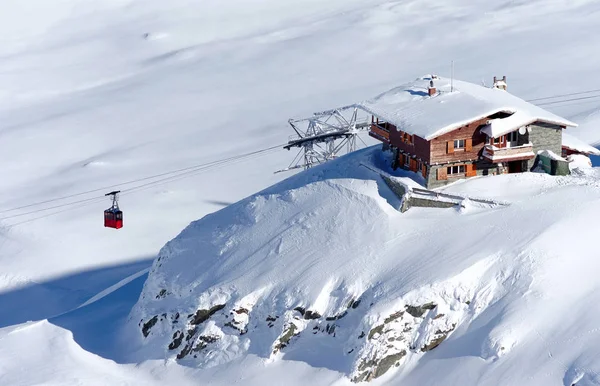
506, 154
379, 132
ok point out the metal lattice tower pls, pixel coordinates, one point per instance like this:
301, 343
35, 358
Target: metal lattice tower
324, 136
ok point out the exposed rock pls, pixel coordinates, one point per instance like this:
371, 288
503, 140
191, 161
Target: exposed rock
419, 311
233, 324
148, 325
434, 343
439, 337
393, 317
162, 293
202, 315
311, 315
376, 330
386, 363
307, 314
202, 342
177, 339
336, 317
371, 369
354, 304
285, 338
186, 350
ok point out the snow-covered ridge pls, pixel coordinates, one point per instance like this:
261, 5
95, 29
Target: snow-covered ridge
321, 268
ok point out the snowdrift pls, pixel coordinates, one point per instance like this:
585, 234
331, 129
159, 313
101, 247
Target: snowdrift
321, 268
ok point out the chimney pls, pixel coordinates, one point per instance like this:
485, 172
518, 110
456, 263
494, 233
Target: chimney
500, 84
432, 90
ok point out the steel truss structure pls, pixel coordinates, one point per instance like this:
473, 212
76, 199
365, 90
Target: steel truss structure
324, 136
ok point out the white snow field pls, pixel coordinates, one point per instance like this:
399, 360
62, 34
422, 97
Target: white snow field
94, 94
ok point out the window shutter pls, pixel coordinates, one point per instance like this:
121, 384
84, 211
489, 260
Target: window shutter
450, 148
424, 170
441, 173
401, 158
469, 144
413, 165
471, 170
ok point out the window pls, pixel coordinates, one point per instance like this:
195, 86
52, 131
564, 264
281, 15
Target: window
459, 144
406, 160
457, 169
511, 137
498, 140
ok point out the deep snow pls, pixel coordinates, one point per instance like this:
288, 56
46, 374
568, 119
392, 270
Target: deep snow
516, 281
86, 101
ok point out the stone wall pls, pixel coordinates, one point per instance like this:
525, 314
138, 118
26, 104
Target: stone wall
482, 168
544, 137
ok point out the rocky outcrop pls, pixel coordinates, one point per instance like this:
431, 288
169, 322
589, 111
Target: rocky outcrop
414, 329
402, 333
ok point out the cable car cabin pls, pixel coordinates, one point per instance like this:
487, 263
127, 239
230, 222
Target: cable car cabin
113, 218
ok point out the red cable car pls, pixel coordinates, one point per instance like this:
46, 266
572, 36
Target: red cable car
113, 217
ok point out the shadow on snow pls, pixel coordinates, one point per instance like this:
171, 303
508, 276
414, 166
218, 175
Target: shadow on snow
95, 326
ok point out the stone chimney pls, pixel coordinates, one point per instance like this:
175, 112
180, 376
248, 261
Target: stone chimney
500, 84
432, 90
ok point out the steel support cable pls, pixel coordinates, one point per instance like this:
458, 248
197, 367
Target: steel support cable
183, 174
568, 100
189, 168
563, 95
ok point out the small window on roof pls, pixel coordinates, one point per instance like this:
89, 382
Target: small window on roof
501, 115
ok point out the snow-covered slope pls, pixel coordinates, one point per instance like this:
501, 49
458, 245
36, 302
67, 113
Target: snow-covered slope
95, 93
323, 269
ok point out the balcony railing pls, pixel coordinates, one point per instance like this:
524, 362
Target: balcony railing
380, 132
506, 154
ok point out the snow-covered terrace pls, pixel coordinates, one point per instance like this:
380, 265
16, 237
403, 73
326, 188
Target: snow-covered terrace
410, 108
505, 154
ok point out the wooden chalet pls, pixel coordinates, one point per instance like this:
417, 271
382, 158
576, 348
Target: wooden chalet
446, 129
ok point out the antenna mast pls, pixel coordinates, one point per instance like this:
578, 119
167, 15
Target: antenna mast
452, 76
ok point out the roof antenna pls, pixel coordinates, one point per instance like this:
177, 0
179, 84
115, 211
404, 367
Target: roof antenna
452, 76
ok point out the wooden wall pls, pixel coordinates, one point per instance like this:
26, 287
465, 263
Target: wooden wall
419, 147
442, 147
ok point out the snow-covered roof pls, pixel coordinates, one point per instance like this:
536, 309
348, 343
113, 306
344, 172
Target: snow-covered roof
410, 108
578, 145
501, 126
